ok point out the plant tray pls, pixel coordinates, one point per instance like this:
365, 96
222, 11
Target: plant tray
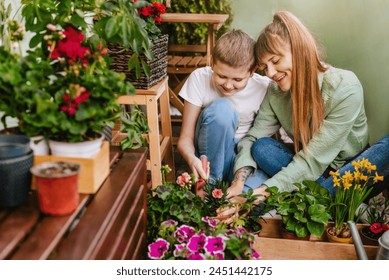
272, 246
93, 170
158, 66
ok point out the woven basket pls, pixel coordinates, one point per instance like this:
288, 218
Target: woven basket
158, 67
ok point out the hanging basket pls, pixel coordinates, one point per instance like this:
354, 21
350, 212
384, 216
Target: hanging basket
158, 66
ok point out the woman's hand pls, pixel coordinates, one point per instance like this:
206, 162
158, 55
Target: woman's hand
226, 214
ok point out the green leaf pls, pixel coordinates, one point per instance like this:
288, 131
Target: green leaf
112, 27
78, 20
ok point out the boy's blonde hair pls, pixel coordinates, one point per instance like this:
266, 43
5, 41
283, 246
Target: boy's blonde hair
236, 49
307, 100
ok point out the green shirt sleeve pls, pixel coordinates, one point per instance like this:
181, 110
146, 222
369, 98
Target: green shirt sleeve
342, 135
342, 111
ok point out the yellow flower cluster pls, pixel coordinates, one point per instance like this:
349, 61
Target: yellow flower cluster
352, 190
363, 170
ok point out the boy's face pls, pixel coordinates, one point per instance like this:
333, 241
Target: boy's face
229, 80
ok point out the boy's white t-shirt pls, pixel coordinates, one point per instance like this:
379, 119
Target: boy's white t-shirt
199, 90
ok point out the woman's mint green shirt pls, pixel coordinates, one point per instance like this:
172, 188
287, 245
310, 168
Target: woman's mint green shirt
343, 134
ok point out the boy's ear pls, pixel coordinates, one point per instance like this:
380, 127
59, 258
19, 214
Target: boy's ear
253, 70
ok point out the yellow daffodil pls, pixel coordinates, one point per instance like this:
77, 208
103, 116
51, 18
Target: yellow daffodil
377, 178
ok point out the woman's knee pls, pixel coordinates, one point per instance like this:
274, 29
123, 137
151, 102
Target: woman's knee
260, 149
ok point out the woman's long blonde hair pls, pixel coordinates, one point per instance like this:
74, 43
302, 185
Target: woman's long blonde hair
307, 101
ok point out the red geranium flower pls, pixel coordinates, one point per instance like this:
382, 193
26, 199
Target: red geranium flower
70, 47
376, 228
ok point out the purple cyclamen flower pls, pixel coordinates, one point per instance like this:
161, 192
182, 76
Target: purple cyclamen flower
184, 233
211, 222
219, 256
180, 250
215, 244
158, 249
197, 242
169, 223
255, 255
196, 256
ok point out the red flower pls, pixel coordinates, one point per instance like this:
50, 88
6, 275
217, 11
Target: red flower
154, 11
376, 228
385, 226
70, 47
159, 7
217, 193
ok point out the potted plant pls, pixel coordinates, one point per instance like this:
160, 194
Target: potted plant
304, 211
57, 185
65, 89
351, 191
134, 128
377, 213
176, 215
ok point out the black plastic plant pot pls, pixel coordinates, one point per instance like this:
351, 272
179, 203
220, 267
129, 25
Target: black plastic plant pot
15, 180
12, 146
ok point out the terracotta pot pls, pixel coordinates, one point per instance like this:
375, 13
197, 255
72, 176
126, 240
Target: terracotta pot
291, 235
58, 190
336, 239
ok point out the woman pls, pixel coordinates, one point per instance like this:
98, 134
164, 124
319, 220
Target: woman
320, 107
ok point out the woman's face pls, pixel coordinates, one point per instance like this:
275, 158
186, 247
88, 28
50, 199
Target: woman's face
278, 67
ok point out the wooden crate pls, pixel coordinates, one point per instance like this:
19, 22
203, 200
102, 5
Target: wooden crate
272, 247
93, 170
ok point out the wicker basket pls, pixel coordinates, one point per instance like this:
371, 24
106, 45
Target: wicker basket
158, 67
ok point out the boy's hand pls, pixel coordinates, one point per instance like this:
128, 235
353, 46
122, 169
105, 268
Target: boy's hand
196, 167
201, 182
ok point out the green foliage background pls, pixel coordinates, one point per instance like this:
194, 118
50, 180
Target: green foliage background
196, 33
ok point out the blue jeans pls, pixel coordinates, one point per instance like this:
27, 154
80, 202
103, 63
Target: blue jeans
215, 138
271, 156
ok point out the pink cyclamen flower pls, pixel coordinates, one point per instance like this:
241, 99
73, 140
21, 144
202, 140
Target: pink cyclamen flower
197, 242
184, 233
215, 244
210, 221
180, 250
169, 223
217, 193
158, 249
218, 255
255, 255
183, 179
196, 256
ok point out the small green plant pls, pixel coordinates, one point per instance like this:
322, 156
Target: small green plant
378, 217
303, 211
134, 124
247, 213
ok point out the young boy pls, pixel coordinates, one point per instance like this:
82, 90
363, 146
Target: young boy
221, 103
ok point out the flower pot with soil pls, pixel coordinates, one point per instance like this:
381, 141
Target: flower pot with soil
303, 211
57, 185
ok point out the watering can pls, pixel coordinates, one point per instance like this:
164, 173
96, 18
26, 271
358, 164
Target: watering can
383, 241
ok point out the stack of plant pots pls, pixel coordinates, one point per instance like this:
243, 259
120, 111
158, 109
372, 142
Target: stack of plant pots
16, 159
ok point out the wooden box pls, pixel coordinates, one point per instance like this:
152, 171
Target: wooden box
93, 170
272, 246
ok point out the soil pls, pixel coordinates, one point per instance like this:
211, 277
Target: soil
60, 168
345, 232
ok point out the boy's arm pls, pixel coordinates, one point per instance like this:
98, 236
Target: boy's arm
185, 143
